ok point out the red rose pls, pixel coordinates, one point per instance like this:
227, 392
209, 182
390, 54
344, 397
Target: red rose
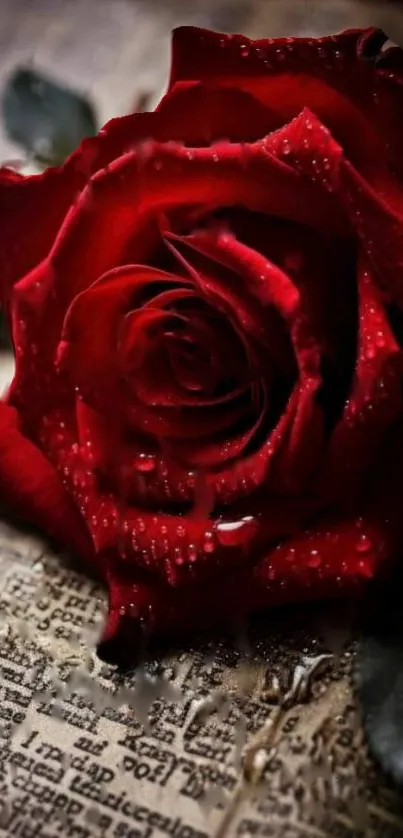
206, 308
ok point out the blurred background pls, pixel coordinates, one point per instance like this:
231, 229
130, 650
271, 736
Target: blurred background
68, 66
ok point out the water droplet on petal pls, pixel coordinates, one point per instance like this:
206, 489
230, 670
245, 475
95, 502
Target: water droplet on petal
365, 569
290, 556
180, 531
314, 559
209, 543
235, 533
141, 525
245, 50
192, 553
178, 555
364, 544
145, 463
286, 147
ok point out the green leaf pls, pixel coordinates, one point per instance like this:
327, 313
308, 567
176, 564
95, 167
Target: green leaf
47, 120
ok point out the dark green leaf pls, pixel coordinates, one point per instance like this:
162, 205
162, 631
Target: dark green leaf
48, 120
380, 676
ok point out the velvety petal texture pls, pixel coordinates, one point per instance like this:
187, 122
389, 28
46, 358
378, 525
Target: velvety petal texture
206, 310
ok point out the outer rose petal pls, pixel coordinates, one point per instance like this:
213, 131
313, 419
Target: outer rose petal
195, 114
99, 227
375, 397
334, 559
31, 487
355, 97
31, 212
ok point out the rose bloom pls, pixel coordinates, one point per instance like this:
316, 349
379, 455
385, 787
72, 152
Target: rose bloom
206, 310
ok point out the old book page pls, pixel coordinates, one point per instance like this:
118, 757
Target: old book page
86, 751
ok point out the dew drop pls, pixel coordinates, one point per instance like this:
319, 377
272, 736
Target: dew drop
245, 50
365, 569
178, 556
180, 531
141, 525
208, 544
364, 544
164, 529
105, 522
122, 610
370, 353
286, 147
145, 463
235, 533
314, 559
290, 556
380, 340
192, 553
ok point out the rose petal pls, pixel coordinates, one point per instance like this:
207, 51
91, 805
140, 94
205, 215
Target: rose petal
194, 114
94, 370
375, 401
232, 290
261, 279
378, 222
328, 75
32, 489
120, 201
337, 558
26, 234
334, 561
